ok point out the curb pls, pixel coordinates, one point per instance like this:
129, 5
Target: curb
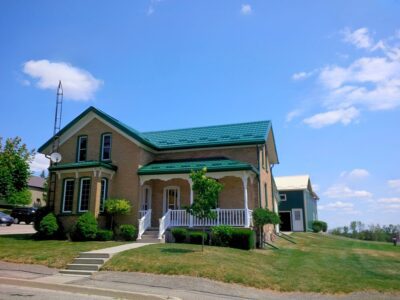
82, 289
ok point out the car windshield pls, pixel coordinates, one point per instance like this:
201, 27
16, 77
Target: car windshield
2, 214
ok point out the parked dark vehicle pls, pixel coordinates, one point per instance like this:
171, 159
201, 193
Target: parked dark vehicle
6, 219
24, 214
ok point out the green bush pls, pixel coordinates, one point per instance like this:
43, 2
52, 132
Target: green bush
48, 227
324, 226
39, 215
195, 237
85, 228
104, 235
128, 232
318, 226
221, 235
242, 239
179, 234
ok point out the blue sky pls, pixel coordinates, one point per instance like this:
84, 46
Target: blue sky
326, 73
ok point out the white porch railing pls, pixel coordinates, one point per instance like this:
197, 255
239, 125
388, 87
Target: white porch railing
144, 222
231, 217
164, 223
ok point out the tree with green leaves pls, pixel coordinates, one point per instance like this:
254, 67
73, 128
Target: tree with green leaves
206, 191
261, 217
115, 207
14, 171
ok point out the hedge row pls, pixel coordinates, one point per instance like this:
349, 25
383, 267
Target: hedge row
318, 226
222, 236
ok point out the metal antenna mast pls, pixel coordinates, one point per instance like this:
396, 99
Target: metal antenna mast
57, 118
55, 157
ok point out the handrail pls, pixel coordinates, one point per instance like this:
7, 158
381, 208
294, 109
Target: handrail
164, 223
144, 223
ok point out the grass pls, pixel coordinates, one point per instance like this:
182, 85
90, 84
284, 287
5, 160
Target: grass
317, 263
56, 254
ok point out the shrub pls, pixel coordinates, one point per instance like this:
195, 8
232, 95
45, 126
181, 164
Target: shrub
317, 226
48, 227
39, 215
242, 239
104, 235
221, 235
128, 232
85, 228
195, 237
324, 226
115, 207
179, 234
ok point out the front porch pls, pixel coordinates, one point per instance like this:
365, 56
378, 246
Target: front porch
164, 196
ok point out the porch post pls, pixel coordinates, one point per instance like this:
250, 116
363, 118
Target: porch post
246, 205
191, 201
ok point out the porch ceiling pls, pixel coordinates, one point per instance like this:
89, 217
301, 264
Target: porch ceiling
186, 166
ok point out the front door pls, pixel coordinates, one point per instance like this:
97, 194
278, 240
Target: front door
297, 219
171, 198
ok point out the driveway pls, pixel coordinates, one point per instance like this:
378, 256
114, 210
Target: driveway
17, 229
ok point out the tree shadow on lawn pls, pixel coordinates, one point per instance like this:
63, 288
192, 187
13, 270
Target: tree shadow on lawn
177, 250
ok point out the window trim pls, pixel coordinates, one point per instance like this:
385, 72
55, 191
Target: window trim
63, 195
178, 200
103, 179
80, 193
78, 148
280, 197
102, 145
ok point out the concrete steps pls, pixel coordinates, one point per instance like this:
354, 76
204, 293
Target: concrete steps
150, 236
86, 264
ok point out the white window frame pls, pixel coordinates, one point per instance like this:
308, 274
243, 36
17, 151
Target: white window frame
79, 147
284, 197
102, 145
103, 200
80, 193
64, 192
146, 187
178, 200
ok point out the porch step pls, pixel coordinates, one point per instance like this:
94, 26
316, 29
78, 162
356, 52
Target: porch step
94, 255
89, 261
85, 267
76, 272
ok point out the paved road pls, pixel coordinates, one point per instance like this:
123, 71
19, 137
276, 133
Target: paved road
17, 229
8, 292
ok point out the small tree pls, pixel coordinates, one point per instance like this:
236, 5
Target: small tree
261, 217
115, 207
206, 191
14, 170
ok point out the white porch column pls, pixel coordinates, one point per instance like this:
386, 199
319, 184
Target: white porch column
191, 201
246, 201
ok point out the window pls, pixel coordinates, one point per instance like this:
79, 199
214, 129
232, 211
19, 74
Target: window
146, 198
103, 193
106, 147
82, 148
84, 194
283, 197
171, 198
266, 194
263, 157
297, 215
68, 195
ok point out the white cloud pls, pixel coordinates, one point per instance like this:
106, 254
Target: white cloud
355, 174
366, 83
394, 184
337, 205
344, 116
293, 114
39, 163
393, 200
344, 192
152, 6
301, 75
315, 187
246, 9
359, 38
78, 84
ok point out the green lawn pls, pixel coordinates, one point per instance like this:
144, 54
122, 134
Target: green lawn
57, 254
317, 263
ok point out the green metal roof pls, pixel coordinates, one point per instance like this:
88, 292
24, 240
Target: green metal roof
201, 137
83, 164
186, 166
